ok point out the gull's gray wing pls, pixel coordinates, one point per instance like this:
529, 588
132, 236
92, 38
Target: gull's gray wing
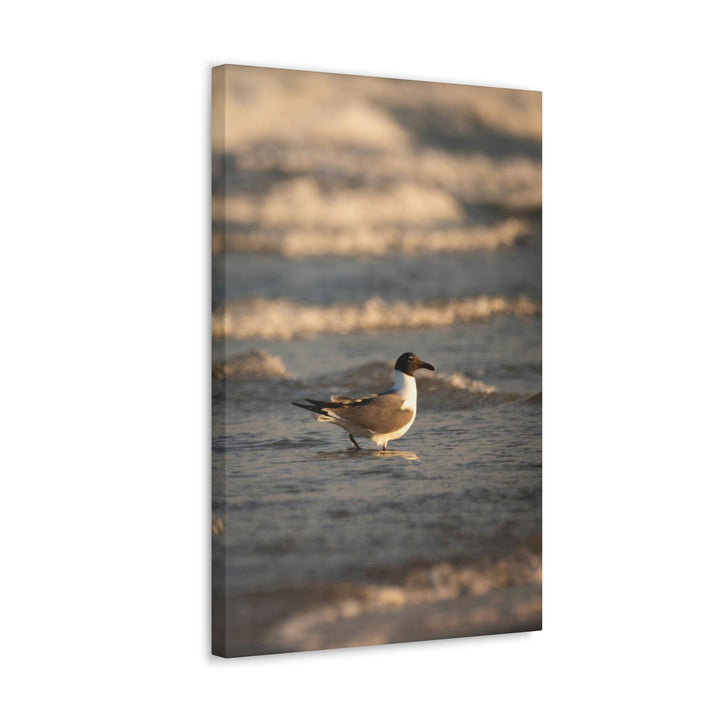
382, 414
346, 400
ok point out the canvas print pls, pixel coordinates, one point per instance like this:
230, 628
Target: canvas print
376, 361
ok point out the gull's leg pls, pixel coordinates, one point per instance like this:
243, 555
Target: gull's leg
384, 446
353, 441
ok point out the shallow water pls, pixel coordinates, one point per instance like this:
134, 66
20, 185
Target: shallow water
311, 508
304, 509
315, 543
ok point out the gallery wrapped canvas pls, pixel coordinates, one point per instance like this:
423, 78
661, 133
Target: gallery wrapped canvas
376, 360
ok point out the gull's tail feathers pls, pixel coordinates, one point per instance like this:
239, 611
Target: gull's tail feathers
323, 409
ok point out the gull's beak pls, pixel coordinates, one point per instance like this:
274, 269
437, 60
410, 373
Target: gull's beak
427, 366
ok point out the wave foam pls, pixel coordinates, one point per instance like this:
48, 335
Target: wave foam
273, 104
255, 363
514, 182
376, 240
282, 319
357, 615
457, 392
301, 202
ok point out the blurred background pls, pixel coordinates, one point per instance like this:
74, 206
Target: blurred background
312, 163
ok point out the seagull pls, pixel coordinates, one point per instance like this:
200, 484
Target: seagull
381, 418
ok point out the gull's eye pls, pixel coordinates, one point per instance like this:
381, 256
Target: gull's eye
411, 358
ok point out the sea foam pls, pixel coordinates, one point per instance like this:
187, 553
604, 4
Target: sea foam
282, 319
449, 594
254, 363
375, 240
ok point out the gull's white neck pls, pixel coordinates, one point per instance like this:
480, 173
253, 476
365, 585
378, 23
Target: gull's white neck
407, 389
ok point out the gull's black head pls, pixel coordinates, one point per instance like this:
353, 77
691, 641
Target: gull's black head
410, 362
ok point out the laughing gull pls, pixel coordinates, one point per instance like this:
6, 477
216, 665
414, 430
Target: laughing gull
381, 418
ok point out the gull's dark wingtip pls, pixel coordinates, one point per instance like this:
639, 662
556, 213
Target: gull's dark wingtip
316, 407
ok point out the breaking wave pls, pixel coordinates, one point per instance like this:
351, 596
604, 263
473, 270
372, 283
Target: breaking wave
283, 319
372, 240
357, 111
438, 391
514, 182
301, 202
321, 164
434, 599
254, 363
